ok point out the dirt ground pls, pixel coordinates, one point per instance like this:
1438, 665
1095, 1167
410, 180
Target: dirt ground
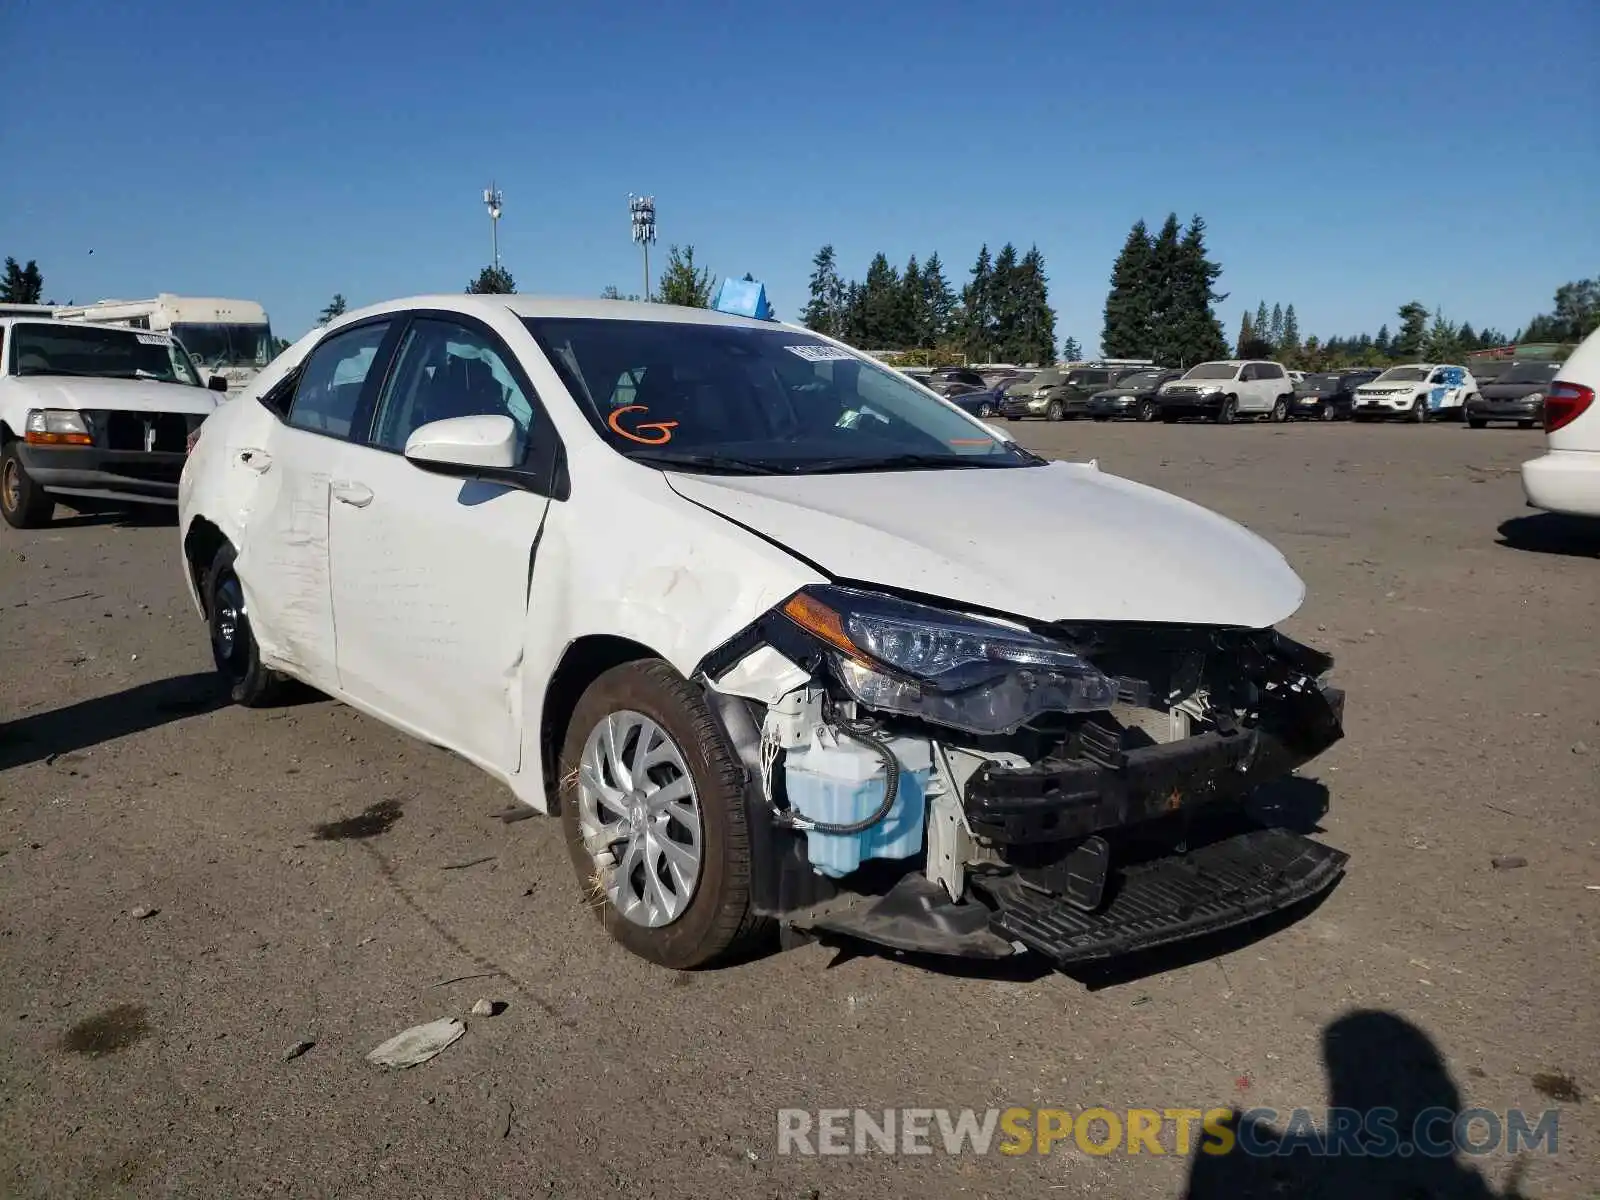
145, 1053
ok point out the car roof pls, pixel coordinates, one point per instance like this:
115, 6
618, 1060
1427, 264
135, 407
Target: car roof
562, 306
55, 324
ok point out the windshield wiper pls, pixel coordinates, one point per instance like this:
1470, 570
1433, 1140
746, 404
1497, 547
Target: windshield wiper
907, 462
715, 463
56, 371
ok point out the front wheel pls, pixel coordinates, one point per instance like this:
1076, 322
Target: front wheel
652, 804
1054, 411
1280, 410
1227, 412
1419, 411
1147, 411
233, 645
1326, 413
1480, 423
985, 410
23, 503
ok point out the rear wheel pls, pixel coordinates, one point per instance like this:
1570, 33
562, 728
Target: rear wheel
233, 645
23, 503
652, 804
1230, 408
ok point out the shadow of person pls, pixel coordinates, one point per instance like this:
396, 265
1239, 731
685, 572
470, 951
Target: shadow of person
1390, 1073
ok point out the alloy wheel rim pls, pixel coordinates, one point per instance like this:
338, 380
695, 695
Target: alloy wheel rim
229, 625
11, 485
639, 815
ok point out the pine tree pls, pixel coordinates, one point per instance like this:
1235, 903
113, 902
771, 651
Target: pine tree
1381, 342
1006, 299
1276, 336
1189, 332
1291, 334
978, 308
1127, 330
1468, 336
682, 282
492, 281
1071, 351
1166, 283
917, 320
1442, 342
938, 300
1263, 325
882, 309
334, 309
22, 285
1035, 335
1407, 344
855, 314
823, 312
1247, 337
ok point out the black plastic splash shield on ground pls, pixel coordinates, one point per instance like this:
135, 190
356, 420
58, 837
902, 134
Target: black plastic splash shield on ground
1168, 899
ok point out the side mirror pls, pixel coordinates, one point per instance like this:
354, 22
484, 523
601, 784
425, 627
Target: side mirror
457, 445
217, 383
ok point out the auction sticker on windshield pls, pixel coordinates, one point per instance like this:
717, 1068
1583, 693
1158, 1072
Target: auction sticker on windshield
820, 353
150, 339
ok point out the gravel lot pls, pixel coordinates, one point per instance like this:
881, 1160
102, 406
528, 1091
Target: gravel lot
145, 1053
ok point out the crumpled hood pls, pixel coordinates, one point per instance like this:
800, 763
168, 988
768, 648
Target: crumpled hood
121, 395
1052, 543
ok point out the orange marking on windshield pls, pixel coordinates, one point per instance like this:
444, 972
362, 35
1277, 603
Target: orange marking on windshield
663, 428
972, 441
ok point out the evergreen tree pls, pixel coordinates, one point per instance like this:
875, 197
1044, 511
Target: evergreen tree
1407, 344
683, 282
334, 309
1381, 343
824, 311
977, 306
1468, 336
882, 309
938, 300
612, 292
1034, 338
855, 314
1071, 351
1276, 336
1127, 330
1442, 342
1291, 334
918, 321
1247, 336
1187, 329
1005, 297
492, 281
1264, 325
22, 285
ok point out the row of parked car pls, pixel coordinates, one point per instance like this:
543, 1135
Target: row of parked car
1229, 390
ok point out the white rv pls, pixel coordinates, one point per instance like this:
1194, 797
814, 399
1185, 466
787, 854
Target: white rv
228, 338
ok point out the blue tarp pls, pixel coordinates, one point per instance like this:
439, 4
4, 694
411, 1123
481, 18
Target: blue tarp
743, 298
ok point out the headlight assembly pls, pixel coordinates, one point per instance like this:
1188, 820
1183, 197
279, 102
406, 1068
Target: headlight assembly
973, 673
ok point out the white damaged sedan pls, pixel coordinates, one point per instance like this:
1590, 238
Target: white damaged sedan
729, 597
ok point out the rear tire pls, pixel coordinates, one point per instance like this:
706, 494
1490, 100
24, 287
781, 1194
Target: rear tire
233, 644
1230, 407
713, 917
23, 503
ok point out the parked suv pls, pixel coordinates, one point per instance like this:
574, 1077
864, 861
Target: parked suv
1228, 389
1567, 478
1328, 395
1514, 395
1037, 397
1416, 392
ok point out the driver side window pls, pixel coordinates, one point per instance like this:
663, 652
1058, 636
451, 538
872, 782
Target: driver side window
447, 370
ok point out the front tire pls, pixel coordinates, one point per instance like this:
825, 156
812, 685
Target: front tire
1419, 411
23, 503
1280, 410
233, 644
1326, 413
1230, 408
1480, 423
652, 805
1147, 411
1054, 411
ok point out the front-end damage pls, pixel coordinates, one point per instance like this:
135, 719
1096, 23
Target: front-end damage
967, 784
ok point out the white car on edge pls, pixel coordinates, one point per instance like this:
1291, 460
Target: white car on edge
729, 597
1566, 479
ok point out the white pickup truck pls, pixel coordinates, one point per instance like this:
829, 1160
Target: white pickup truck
93, 411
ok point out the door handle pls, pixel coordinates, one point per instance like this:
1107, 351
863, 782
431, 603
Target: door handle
257, 460
357, 495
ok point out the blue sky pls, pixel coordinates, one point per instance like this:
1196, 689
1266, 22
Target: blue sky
1346, 157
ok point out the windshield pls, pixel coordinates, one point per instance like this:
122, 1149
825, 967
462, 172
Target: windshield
1139, 381
226, 345
1530, 373
755, 401
1403, 375
1320, 383
62, 348
1213, 371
